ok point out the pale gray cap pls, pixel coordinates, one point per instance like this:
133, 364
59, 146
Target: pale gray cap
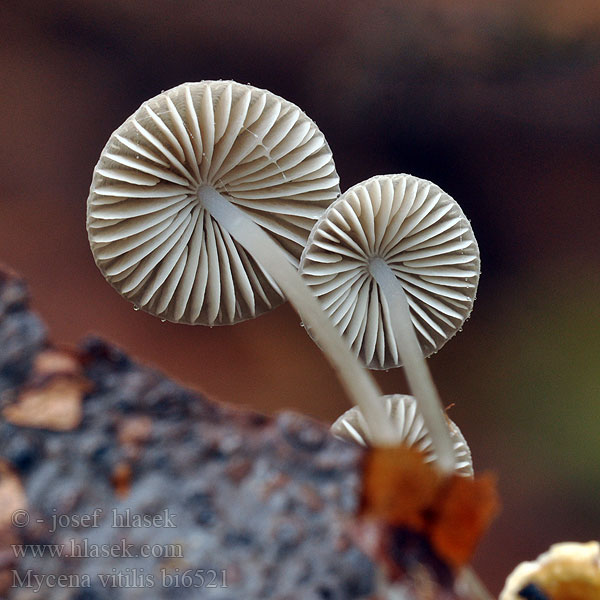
423, 236
150, 236
409, 429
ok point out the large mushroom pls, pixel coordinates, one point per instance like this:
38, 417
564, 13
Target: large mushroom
199, 208
395, 265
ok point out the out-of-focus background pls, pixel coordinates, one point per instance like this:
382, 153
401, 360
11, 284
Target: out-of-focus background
496, 102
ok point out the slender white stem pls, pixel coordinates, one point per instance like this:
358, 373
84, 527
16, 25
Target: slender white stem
468, 585
357, 381
417, 372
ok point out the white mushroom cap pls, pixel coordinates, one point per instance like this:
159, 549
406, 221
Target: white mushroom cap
408, 427
421, 233
151, 237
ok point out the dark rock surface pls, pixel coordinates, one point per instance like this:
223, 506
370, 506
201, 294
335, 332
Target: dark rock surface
22, 334
244, 506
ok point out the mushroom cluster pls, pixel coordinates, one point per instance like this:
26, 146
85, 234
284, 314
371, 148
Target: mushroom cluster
216, 201
201, 204
204, 201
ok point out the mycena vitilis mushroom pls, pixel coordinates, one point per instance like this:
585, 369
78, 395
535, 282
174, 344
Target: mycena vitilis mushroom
408, 429
200, 206
395, 265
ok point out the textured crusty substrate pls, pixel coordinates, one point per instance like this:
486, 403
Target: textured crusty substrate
263, 499
245, 506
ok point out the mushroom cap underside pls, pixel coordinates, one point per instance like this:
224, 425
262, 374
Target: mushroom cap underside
149, 233
408, 428
422, 235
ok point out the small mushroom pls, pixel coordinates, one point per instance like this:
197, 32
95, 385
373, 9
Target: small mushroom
395, 265
201, 203
408, 428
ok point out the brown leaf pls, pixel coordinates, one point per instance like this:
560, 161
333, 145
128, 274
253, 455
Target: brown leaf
121, 479
463, 510
450, 515
55, 404
52, 398
398, 486
54, 361
12, 495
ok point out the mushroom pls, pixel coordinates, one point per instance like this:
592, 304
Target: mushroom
199, 208
409, 429
395, 265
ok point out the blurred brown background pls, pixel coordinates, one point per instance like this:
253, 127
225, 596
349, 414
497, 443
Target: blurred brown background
497, 102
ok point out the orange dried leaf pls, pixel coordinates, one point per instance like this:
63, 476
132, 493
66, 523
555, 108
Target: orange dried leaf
121, 479
398, 486
463, 511
403, 492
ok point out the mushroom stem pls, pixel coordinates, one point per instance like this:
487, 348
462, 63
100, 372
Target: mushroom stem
357, 381
417, 372
469, 585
